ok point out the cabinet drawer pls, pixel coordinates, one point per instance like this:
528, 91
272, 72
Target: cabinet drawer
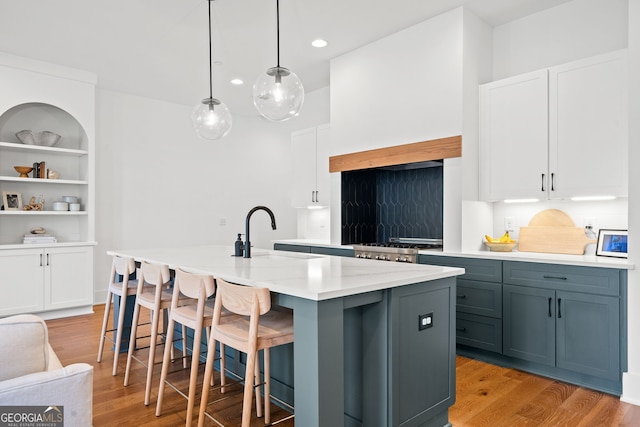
481, 298
485, 270
602, 281
479, 331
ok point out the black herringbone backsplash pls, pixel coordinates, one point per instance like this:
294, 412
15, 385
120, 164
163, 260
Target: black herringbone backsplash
378, 204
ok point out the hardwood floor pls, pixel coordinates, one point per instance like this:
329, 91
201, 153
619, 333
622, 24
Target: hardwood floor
487, 395
76, 340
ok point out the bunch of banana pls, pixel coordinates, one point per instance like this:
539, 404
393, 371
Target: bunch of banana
503, 239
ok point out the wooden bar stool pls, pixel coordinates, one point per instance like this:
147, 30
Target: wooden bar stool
198, 316
153, 293
252, 328
119, 267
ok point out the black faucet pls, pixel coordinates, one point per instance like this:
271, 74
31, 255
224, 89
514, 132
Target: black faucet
247, 244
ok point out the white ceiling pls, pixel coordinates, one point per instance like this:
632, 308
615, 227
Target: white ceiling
159, 48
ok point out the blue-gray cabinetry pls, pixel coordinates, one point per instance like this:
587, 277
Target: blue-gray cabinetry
323, 250
396, 373
478, 301
566, 322
565, 317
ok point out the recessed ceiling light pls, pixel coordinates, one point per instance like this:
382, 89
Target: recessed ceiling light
319, 43
237, 82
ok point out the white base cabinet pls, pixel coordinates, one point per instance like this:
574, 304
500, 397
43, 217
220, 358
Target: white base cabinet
557, 133
46, 279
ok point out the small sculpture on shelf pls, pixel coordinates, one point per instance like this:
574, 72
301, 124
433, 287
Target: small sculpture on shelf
33, 206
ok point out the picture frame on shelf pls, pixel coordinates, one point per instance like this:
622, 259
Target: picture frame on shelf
612, 243
11, 201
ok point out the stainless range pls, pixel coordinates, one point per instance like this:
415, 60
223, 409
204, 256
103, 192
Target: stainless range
397, 249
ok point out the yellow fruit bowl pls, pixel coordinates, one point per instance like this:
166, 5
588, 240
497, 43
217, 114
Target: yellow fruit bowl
501, 247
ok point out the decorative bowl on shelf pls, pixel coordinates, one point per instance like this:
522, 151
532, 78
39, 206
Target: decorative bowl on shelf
500, 246
23, 170
44, 138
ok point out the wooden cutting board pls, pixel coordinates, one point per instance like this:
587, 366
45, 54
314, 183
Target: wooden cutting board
553, 231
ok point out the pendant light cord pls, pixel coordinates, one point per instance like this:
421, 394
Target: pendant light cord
210, 56
278, 29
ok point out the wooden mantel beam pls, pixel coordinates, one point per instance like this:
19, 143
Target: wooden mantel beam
435, 149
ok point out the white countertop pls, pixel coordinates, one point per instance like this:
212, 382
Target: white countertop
563, 259
309, 276
579, 260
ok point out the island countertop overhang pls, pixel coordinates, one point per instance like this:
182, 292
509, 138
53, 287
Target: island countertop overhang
310, 276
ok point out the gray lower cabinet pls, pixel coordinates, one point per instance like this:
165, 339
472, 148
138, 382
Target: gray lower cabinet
573, 331
529, 329
478, 301
565, 322
588, 334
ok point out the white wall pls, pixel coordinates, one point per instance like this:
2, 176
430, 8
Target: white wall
567, 32
410, 87
609, 214
460, 222
159, 185
631, 379
403, 88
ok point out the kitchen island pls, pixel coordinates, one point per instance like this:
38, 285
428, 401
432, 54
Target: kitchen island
374, 342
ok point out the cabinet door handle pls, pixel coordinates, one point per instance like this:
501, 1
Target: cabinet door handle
47, 259
313, 197
462, 296
559, 311
40, 260
317, 199
554, 277
461, 329
553, 182
550, 299
542, 189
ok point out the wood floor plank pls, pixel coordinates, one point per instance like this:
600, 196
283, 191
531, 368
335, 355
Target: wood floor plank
542, 406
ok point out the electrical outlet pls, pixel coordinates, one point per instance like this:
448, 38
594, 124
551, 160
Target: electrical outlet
425, 321
508, 224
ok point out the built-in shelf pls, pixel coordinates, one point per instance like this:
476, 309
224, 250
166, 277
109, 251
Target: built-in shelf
37, 148
43, 180
45, 245
41, 213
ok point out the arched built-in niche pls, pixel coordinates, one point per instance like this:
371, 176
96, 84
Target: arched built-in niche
39, 117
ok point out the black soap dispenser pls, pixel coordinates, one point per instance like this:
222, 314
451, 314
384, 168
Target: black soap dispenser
239, 246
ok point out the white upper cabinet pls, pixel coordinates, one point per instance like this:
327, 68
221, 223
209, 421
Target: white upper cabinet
310, 155
513, 137
588, 131
556, 133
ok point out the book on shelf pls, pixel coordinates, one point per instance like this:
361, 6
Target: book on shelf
40, 170
39, 238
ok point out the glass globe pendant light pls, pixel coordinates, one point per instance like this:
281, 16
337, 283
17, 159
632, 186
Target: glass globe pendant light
278, 93
211, 118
